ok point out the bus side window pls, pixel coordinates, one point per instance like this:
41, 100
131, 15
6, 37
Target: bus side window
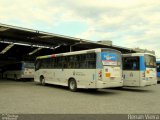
91, 64
91, 61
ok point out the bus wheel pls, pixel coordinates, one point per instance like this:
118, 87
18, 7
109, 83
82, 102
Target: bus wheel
72, 85
42, 80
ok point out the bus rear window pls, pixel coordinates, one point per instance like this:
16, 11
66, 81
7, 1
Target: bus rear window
131, 63
150, 61
29, 65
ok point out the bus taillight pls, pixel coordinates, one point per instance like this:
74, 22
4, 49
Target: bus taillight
100, 74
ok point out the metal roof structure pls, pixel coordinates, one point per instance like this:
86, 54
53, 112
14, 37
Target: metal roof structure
17, 41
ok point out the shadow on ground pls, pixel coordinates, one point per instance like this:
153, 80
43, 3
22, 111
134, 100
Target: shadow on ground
133, 89
84, 91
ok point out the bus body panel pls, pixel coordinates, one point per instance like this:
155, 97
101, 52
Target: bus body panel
19, 70
13, 74
86, 77
28, 73
141, 77
113, 76
131, 78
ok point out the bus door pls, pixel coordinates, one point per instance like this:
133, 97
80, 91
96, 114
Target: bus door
131, 71
59, 74
42, 68
111, 67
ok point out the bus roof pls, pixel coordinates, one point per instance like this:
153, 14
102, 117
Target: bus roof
76, 53
137, 54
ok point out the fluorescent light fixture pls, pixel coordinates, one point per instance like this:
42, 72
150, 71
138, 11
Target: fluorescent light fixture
57, 46
34, 51
53, 48
6, 42
23, 44
47, 36
40, 46
31, 45
7, 48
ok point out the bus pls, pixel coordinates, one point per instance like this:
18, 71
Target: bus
139, 69
94, 68
19, 70
158, 70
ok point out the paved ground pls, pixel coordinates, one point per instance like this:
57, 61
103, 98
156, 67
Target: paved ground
28, 97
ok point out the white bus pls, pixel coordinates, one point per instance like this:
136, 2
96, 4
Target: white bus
94, 68
139, 69
19, 70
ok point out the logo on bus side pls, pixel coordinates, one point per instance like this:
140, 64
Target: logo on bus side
109, 57
79, 73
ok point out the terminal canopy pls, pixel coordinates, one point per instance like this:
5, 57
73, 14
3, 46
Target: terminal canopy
18, 43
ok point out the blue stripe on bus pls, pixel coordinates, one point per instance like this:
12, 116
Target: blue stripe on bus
99, 61
158, 74
108, 56
142, 63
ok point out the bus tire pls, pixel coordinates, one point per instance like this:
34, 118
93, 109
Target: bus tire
72, 85
42, 80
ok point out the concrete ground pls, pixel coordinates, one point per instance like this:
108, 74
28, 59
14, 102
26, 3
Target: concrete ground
27, 97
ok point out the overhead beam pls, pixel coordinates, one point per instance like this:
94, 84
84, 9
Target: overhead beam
3, 29
25, 43
6, 49
34, 51
71, 49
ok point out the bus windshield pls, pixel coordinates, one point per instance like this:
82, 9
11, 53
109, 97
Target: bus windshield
150, 61
111, 58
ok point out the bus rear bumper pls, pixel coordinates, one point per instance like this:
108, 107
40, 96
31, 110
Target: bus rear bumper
148, 83
101, 84
141, 83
